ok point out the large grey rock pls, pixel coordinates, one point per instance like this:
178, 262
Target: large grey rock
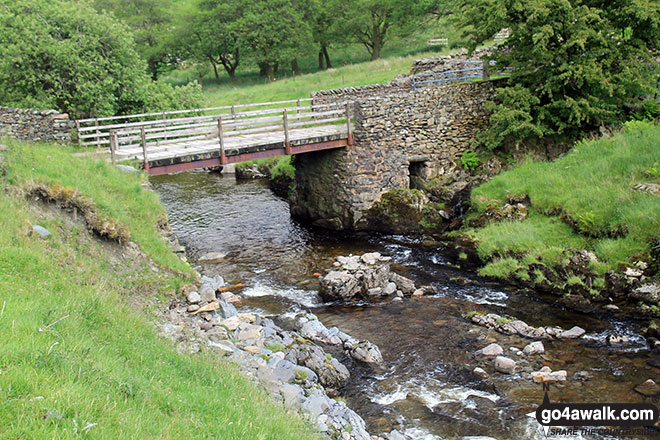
217, 334
649, 293
330, 371
41, 231
491, 350
206, 292
546, 375
573, 333
533, 348
313, 329
375, 277
250, 334
389, 289
227, 310
405, 285
648, 388
366, 352
396, 435
370, 257
339, 285
506, 365
316, 404
194, 298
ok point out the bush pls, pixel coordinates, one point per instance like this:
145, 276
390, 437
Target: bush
470, 160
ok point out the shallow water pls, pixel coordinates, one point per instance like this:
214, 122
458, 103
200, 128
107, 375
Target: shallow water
426, 388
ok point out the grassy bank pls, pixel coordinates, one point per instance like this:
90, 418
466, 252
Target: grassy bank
79, 357
584, 200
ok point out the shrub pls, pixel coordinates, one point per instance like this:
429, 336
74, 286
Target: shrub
470, 160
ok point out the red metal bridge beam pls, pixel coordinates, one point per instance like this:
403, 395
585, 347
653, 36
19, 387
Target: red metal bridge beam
156, 170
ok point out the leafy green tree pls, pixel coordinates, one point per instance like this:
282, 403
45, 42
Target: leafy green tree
324, 19
65, 55
575, 63
275, 31
372, 22
210, 32
151, 22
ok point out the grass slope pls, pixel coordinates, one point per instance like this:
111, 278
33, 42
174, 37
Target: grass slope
584, 200
76, 359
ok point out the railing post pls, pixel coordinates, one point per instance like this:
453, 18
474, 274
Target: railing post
233, 113
113, 146
78, 132
298, 104
144, 149
287, 144
485, 74
348, 123
223, 156
96, 124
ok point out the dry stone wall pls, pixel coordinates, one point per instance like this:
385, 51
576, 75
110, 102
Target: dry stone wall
35, 125
401, 135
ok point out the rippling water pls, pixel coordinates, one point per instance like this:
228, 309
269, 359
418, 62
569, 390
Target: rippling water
426, 388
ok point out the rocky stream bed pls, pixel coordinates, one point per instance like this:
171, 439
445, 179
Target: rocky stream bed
384, 336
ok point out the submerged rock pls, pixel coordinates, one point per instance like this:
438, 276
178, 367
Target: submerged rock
506, 365
648, 388
490, 350
546, 375
212, 258
533, 348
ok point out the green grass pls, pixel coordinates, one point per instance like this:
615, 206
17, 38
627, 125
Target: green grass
584, 200
116, 194
78, 358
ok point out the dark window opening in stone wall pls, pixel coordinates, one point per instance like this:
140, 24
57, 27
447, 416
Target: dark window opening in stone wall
416, 174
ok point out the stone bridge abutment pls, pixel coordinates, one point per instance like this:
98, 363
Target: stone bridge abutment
403, 139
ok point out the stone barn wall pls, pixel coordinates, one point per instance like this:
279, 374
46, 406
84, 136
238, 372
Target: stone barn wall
35, 125
399, 137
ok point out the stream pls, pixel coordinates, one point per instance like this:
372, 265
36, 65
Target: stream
426, 388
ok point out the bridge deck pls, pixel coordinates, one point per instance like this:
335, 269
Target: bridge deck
180, 144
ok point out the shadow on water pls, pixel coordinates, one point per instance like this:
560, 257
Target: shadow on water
427, 388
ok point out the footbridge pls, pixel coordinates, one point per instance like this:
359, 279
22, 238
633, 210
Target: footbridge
170, 142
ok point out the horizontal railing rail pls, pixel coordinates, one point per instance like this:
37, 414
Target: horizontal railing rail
96, 131
261, 126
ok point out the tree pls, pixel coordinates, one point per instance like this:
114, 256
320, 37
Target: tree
65, 55
372, 22
210, 33
324, 19
275, 31
151, 22
574, 62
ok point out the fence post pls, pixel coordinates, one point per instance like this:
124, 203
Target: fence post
96, 124
113, 146
78, 132
485, 74
223, 156
233, 113
298, 103
348, 124
287, 144
144, 149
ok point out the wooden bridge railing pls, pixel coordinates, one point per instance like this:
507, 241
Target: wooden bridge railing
139, 138
96, 131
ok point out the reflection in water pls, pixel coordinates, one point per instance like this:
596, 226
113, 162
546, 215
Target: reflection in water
427, 388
